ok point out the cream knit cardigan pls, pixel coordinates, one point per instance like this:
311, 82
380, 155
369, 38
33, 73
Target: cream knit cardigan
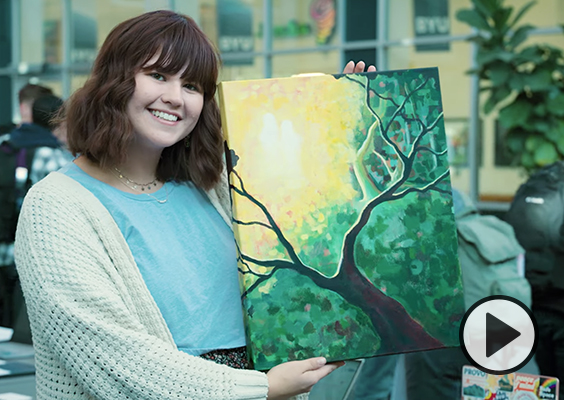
97, 332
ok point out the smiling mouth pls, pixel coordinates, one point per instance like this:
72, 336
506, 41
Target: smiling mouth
165, 116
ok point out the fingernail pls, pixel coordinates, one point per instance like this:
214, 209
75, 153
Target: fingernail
322, 361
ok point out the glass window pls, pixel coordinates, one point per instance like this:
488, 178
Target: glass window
546, 13
151, 5
457, 27
235, 72
93, 20
327, 62
41, 32
51, 81
361, 20
553, 40
233, 25
78, 80
301, 23
424, 18
190, 8
361, 25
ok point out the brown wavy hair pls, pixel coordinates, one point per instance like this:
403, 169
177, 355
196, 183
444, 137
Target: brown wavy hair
95, 115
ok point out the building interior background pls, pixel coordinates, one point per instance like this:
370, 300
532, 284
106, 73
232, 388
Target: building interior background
54, 42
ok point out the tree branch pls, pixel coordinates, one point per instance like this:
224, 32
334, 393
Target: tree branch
238, 222
393, 117
240, 259
381, 157
256, 283
383, 133
287, 245
367, 185
373, 91
422, 134
438, 154
439, 190
375, 115
429, 186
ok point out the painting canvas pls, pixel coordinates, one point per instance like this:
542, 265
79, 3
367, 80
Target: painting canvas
342, 213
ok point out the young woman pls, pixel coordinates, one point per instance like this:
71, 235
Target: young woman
126, 256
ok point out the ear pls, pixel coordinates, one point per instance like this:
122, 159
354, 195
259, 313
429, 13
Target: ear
25, 111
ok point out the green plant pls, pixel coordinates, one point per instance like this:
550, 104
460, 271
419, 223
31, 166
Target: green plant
525, 83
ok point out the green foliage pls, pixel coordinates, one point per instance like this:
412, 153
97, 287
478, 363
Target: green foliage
525, 82
307, 322
416, 235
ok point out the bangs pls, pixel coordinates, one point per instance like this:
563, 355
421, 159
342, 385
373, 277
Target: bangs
180, 46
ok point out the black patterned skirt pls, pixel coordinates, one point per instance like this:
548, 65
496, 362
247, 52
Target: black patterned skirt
235, 358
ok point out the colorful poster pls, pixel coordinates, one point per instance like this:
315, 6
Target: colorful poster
478, 385
343, 215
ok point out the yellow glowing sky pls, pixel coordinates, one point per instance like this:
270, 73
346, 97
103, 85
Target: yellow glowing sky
293, 137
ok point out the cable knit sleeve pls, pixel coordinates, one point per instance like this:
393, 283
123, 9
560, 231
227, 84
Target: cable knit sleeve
97, 331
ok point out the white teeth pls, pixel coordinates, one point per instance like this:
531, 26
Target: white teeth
163, 115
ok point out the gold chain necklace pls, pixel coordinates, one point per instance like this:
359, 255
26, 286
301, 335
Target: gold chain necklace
133, 185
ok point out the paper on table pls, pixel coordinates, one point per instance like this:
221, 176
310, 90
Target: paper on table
14, 396
5, 334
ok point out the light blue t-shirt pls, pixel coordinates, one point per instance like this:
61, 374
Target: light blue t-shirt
186, 254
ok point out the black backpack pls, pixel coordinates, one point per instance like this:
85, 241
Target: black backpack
12, 190
537, 216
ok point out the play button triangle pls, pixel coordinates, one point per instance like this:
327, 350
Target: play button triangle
498, 334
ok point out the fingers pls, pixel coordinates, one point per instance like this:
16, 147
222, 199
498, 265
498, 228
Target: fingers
321, 372
295, 377
319, 368
349, 68
316, 363
359, 67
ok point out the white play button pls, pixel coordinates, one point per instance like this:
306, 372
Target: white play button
498, 334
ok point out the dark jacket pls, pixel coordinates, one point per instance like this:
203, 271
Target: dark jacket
537, 216
32, 135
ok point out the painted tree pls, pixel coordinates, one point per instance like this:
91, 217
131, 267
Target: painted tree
400, 161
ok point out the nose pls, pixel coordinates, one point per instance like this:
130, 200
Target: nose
172, 94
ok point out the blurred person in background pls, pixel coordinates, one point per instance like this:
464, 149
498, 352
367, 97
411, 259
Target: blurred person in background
17, 153
27, 96
48, 158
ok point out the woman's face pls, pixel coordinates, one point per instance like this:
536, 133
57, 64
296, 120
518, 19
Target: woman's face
163, 109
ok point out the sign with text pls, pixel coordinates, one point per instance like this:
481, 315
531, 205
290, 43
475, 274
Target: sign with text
235, 30
431, 19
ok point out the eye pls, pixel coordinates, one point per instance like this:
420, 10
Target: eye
157, 76
192, 87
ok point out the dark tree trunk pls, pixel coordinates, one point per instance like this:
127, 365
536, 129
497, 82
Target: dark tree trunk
399, 332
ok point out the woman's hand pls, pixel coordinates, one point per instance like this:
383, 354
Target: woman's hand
351, 67
295, 377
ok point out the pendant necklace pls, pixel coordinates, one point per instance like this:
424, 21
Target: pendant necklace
140, 187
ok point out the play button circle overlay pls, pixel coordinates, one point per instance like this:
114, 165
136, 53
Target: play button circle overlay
499, 334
